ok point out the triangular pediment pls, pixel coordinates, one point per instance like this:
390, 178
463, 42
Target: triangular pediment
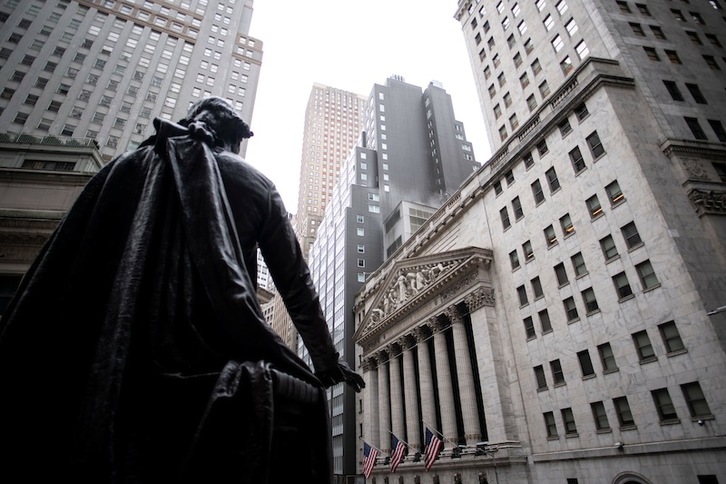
409, 282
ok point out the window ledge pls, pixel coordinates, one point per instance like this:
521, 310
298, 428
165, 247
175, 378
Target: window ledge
530, 259
670, 421
573, 320
626, 298
563, 285
636, 247
676, 353
629, 427
580, 276
561, 384
702, 417
652, 288
553, 437
604, 431
543, 389
594, 311
598, 216
515, 269
650, 359
595, 160
589, 377
612, 370
553, 244
572, 435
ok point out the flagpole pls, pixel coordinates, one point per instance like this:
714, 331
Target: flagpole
399, 438
431, 427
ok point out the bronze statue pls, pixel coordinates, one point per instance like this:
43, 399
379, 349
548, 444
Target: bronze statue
135, 350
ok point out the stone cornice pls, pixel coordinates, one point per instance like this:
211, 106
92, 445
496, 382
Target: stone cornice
412, 285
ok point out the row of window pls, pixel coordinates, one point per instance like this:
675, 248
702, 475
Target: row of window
693, 396
641, 341
646, 275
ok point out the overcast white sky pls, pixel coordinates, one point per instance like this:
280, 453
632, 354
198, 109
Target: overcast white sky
350, 45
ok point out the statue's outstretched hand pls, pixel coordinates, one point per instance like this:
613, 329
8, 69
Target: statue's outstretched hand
341, 373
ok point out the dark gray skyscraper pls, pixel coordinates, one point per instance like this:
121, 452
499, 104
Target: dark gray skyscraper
411, 153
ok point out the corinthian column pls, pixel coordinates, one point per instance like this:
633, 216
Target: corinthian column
428, 409
467, 391
413, 419
372, 423
446, 390
397, 415
384, 416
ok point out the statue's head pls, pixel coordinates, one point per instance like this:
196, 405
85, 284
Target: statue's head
220, 119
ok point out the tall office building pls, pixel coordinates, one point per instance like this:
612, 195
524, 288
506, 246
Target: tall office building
82, 82
411, 152
562, 317
104, 69
333, 121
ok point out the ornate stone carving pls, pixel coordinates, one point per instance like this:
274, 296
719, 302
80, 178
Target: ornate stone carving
456, 288
708, 202
694, 168
478, 298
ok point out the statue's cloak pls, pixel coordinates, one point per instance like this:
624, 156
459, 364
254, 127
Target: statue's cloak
110, 350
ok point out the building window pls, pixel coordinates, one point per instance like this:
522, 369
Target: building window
550, 425
505, 218
651, 53
361, 248
609, 250
581, 112
647, 275
588, 297
607, 359
522, 293
561, 274
578, 263
514, 259
540, 377
548, 23
544, 89
566, 65
673, 90
622, 286
517, 207
537, 192
550, 236
566, 224
552, 179
568, 418
631, 235
622, 409
544, 320
624, 8
558, 376
360, 232
542, 148
585, 363
644, 347
695, 128
696, 400
696, 93
557, 43
614, 193
531, 102
498, 187
673, 57
529, 328
671, 337
578, 162
596, 148
565, 127
528, 160
570, 310
637, 29
582, 50
718, 128
528, 252
657, 32
600, 416
361, 262
537, 288
664, 405
593, 206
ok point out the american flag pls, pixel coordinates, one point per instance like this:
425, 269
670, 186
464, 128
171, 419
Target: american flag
369, 459
399, 449
433, 447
